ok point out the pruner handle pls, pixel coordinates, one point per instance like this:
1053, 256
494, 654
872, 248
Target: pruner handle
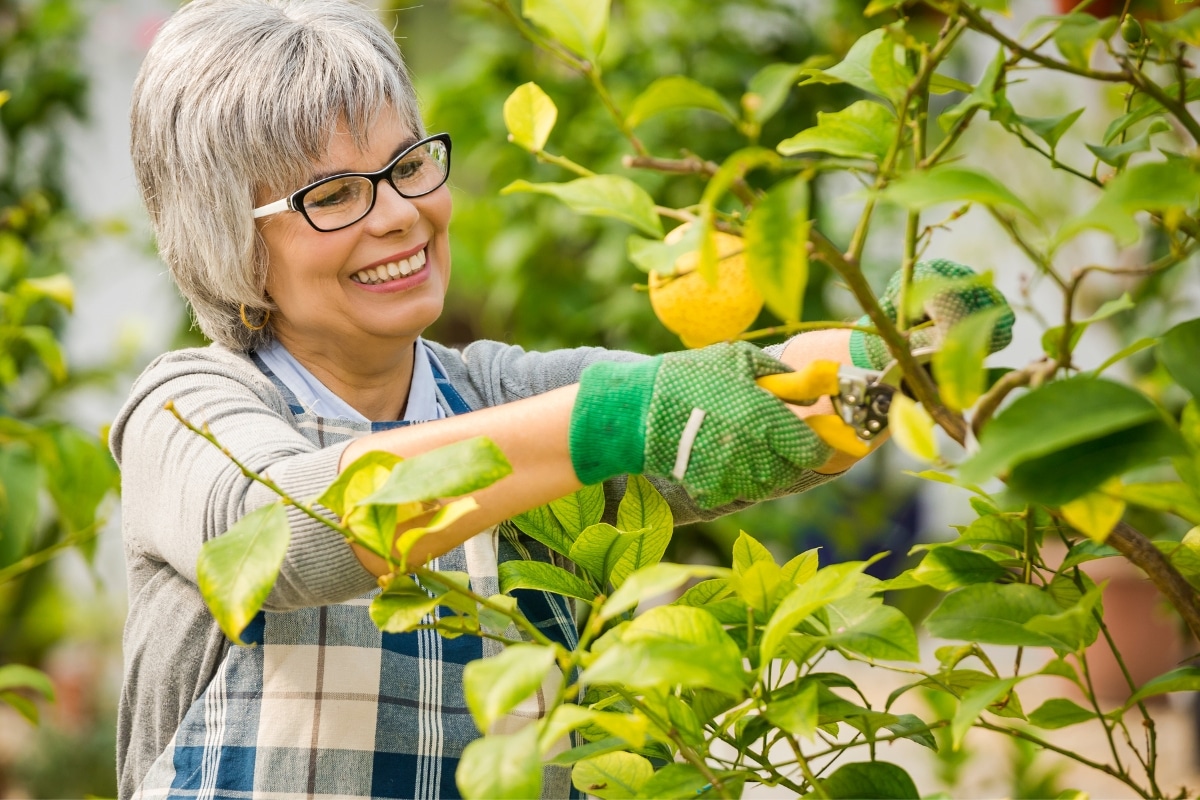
806, 385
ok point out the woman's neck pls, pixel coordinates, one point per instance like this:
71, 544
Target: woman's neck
374, 382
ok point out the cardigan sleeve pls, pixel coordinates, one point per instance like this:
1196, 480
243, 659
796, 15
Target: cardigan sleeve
179, 491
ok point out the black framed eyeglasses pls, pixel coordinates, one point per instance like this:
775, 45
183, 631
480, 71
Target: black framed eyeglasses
339, 201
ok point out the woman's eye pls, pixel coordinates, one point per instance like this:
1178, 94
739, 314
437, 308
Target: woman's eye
408, 169
331, 195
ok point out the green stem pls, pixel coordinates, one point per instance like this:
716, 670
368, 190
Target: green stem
565, 163
34, 560
685, 749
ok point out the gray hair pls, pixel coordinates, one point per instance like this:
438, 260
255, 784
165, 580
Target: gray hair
241, 96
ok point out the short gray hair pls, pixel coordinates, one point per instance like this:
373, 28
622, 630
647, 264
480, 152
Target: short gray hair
241, 96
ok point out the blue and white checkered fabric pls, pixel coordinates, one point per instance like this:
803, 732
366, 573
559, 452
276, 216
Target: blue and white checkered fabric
326, 706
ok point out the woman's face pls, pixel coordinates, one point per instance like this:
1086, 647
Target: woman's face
334, 291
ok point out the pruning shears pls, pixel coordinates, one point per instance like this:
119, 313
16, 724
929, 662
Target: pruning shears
861, 398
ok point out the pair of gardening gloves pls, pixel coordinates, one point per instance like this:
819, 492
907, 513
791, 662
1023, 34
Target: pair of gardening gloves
697, 417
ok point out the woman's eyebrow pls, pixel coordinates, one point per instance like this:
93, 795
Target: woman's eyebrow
400, 148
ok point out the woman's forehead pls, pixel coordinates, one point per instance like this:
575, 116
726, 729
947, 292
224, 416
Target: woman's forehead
364, 150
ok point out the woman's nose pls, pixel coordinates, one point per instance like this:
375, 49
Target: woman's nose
392, 211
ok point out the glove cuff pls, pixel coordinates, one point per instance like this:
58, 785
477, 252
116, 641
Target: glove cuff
607, 435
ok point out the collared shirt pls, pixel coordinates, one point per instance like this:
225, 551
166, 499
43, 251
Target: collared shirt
317, 399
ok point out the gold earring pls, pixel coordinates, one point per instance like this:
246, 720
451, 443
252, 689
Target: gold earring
246, 322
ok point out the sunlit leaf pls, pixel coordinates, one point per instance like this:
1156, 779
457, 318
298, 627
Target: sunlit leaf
768, 89
1118, 155
1177, 352
864, 625
541, 524
501, 767
912, 428
529, 115
958, 363
49, 351
1173, 497
495, 686
828, 585
854, 69
642, 509
631, 728
601, 196
1095, 514
776, 238
983, 96
581, 25
952, 184
580, 510
1078, 34
59, 288
19, 676
796, 714
674, 92
891, 75
236, 571
614, 776
975, 701
864, 129
401, 606
543, 577
652, 581
1182, 679
1059, 712
1158, 186
449, 471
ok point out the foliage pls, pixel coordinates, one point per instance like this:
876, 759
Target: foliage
723, 686
53, 476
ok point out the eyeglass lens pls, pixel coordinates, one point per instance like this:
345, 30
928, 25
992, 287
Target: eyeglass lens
343, 201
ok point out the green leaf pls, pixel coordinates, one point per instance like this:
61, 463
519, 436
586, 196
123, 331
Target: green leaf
631, 728
769, 88
951, 184
1095, 514
914, 729
912, 428
642, 509
975, 701
748, 551
891, 75
529, 115
576, 754
801, 568
875, 779
1183, 679
19, 676
829, 584
705, 592
1078, 34
958, 364
358, 480
613, 776
449, 471
1072, 629
580, 510
864, 129
671, 646
1118, 155
1053, 417
994, 530
1172, 497
1059, 712
580, 25
654, 581
983, 96
22, 705
495, 686
497, 621
541, 524
80, 473
1052, 338
673, 92
1159, 186
798, 713
855, 68
1085, 551
993, 614
1177, 352
20, 483
542, 577
866, 626
1050, 129
1149, 108
401, 606
756, 585
777, 247
601, 196
947, 568
599, 548
676, 782
45, 344
236, 570
501, 767
58, 288
652, 255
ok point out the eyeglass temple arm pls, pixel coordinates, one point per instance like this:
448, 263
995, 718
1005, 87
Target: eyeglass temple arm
272, 208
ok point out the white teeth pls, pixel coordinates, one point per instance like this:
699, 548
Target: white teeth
391, 270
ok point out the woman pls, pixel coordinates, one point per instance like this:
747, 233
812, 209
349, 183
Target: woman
303, 212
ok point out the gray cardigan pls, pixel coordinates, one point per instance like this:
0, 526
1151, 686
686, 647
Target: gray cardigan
178, 492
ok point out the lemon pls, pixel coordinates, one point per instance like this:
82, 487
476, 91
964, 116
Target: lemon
699, 313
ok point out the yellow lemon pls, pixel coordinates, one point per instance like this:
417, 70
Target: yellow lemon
699, 313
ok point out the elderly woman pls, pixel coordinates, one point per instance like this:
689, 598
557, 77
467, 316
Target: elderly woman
303, 211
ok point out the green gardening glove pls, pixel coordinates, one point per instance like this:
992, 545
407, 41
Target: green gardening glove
945, 309
695, 418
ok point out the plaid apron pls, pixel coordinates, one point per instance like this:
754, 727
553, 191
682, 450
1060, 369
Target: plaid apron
325, 705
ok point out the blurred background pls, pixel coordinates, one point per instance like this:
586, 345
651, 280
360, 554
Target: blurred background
526, 270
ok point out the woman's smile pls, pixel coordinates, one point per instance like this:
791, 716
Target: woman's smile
394, 274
